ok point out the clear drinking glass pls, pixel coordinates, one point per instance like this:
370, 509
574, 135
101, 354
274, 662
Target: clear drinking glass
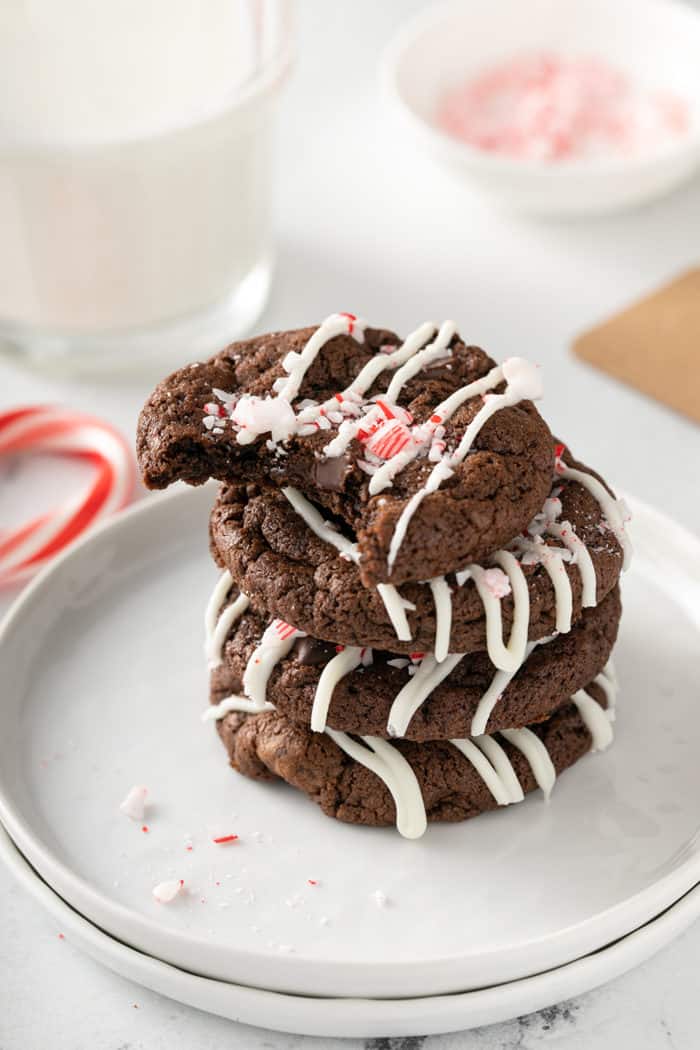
135, 175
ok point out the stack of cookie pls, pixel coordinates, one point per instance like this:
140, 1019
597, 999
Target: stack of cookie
419, 595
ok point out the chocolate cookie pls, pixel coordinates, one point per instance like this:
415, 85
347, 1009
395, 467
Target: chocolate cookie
374, 690
409, 782
288, 571
425, 450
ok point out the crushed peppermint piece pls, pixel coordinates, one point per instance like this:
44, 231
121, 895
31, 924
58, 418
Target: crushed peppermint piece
291, 360
262, 415
380, 899
222, 840
283, 629
497, 582
212, 409
166, 892
134, 805
367, 467
399, 662
225, 396
390, 438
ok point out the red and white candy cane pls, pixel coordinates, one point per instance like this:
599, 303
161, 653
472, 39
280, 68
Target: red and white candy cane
58, 431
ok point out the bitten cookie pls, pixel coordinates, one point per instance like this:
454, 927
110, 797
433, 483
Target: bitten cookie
429, 453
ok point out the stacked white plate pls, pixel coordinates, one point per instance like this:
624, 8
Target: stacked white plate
304, 924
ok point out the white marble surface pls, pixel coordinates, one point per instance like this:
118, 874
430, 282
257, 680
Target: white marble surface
366, 226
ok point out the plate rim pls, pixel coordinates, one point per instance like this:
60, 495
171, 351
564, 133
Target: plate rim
400, 977
351, 1016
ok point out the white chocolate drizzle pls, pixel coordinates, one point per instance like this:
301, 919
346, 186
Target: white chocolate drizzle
297, 365
505, 657
387, 361
607, 680
219, 621
354, 393
228, 618
503, 791
537, 755
615, 511
254, 415
394, 604
442, 597
502, 765
522, 382
564, 531
342, 663
435, 351
417, 690
499, 683
595, 719
320, 526
215, 712
552, 561
214, 606
395, 771
443, 412
276, 642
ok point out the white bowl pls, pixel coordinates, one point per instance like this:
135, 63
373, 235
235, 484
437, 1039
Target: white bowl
656, 42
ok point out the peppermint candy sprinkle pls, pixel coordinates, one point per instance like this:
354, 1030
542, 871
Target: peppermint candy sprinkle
166, 892
134, 805
497, 582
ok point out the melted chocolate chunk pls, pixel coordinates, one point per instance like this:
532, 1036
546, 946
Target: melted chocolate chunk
311, 652
330, 473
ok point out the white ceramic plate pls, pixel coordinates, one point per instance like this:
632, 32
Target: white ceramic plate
361, 1018
104, 681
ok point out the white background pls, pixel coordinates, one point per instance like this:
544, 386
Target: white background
367, 226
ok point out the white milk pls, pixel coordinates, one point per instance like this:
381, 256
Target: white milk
134, 160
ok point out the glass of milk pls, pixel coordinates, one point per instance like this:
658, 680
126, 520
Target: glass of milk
135, 175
